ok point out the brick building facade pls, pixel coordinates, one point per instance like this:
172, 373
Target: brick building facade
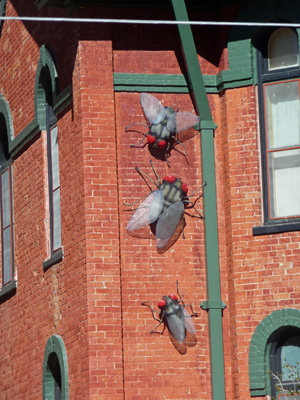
72, 323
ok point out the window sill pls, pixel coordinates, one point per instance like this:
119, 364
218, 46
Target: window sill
9, 288
54, 259
273, 227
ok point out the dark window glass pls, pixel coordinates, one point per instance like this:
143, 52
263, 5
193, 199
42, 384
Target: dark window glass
285, 362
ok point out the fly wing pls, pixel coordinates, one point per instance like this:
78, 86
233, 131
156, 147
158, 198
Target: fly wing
171, 124
151, 106
185, 120
147, 212
176, 327
167, 223
188, 320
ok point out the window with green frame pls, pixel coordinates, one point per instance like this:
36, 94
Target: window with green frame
279, 103
284, 364
55, 370
6, 206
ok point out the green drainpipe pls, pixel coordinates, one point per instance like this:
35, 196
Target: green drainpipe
213, 305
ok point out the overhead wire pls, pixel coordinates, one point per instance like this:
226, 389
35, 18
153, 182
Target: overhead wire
150, 22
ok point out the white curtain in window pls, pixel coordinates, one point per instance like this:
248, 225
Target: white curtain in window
284, 176
283, 132
283, 114
55, 189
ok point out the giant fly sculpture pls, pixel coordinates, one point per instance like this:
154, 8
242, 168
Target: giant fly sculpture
174, 315
164, 207
165, 124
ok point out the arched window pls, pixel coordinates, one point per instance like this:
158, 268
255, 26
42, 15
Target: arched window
284, 361
6, 200
279, 100
55, 370
53, 162
275, 351
283, 49
46, 91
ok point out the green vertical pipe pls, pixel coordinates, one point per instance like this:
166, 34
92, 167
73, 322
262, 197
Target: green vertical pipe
213, 305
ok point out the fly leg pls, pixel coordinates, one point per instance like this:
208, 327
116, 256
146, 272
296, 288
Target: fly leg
148, 304
181, 301
194, 314
200, 187
179, 292
155, 173
137, 123
151, 180
166, 157
153, 315
135, 202
192, 206
181, 144
153, 330
141, 144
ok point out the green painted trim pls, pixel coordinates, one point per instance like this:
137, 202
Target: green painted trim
55, 345
47, 61
197, 86
56, 258
5, 110
207, 305
172, 83
261, 338
242, 40
33, 128
9, 288
60, 102
241, 55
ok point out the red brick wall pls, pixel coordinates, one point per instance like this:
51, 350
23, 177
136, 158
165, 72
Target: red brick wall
92, 299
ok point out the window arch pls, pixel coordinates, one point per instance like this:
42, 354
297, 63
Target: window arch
55, 370
283, 51
275, 332
8, 282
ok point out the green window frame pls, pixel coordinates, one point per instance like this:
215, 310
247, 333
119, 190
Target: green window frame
271, 330
55, 378
8, 278
279, 104
46, 95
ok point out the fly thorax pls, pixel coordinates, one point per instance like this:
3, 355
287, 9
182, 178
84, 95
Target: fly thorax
165, 133
169, 112
172, 192
170, 307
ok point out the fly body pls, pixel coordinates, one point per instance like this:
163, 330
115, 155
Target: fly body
175, 316
165, 207
164, 124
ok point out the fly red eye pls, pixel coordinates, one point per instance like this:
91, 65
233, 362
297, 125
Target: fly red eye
162, 303
169, 178
184, 188
162, 144
151, 139
173, 297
